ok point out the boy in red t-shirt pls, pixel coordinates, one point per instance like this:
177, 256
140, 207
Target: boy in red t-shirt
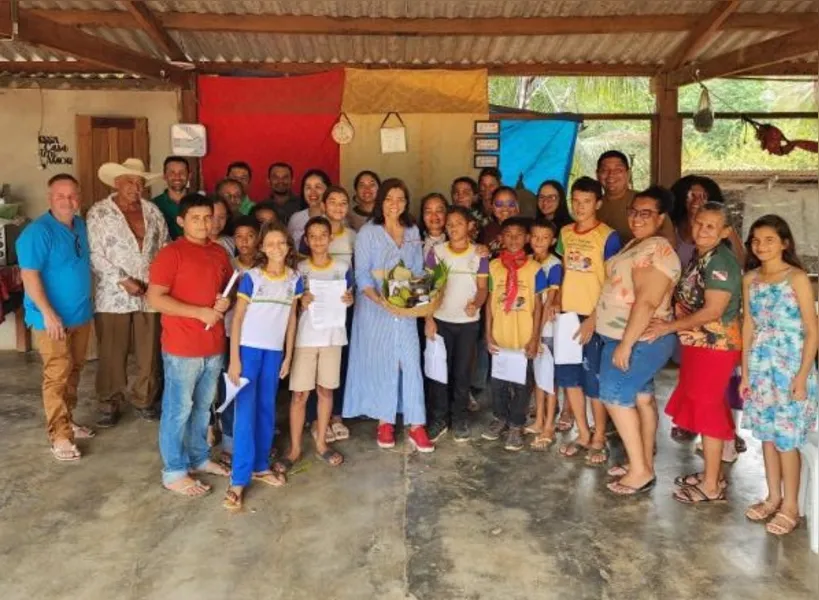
186, 282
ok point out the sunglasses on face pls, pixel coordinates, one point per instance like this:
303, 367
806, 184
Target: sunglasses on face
642, 214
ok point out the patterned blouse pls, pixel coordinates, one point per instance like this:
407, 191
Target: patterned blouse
115, 253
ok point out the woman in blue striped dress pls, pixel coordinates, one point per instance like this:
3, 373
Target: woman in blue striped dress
384, 373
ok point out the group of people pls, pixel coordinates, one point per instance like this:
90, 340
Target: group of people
653, 276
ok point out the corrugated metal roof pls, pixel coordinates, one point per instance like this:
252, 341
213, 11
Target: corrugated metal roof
623, 48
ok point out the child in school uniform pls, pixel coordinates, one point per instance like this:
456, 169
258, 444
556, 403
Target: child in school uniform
261, 349
542, 238
245, 240
513, 316
457, 321
585, 247
336, 202
317, 359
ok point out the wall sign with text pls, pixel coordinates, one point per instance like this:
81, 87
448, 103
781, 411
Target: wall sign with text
52, 151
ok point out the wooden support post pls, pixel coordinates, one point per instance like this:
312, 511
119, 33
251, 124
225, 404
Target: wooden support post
666, 134
189, 113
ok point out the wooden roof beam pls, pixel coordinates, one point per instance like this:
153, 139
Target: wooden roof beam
146, 19
797, 44
702, 33
42, 32
306, 24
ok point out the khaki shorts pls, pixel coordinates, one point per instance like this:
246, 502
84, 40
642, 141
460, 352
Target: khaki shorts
319, 365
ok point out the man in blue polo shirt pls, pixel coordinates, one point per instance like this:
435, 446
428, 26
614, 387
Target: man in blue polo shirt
55, 264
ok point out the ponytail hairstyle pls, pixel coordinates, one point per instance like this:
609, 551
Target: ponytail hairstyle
783, 231
271, 227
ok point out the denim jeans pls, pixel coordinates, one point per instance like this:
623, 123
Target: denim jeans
190, 386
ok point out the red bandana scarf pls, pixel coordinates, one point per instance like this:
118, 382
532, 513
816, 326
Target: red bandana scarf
512, 261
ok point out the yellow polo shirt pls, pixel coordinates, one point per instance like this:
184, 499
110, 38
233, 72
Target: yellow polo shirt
584, 258
512, 330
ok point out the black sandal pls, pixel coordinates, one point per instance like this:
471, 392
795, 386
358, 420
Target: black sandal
696, 479
328, 455
283, 465
693, 494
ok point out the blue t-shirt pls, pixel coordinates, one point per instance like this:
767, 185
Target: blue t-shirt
61, 256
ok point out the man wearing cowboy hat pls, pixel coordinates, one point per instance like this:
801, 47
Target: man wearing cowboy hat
125, 232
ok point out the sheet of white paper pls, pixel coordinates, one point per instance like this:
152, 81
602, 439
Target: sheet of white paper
568, 351
435, 360
327, 310
544, 367
393, 140
548, 329
231, 391
510, 365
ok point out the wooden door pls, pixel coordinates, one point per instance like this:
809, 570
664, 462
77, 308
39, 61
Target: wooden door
107, 139
101, 140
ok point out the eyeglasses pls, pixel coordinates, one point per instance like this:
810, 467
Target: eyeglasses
642, 214
508, 204
550, 197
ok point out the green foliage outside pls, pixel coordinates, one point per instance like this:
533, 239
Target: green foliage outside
730, 145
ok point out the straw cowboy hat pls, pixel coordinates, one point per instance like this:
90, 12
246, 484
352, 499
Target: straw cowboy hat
108, 172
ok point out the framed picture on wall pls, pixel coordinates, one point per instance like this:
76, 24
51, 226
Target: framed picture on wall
487, 128
487, 145
483, 161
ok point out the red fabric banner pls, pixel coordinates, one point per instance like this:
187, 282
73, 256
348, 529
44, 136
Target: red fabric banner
264, 120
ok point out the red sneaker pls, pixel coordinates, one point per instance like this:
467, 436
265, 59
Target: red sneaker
386, 436
420, 440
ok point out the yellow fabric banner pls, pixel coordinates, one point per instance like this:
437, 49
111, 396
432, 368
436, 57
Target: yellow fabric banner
439, 149
409, 91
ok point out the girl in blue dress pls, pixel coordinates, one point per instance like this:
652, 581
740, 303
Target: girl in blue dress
384, 374
779, 377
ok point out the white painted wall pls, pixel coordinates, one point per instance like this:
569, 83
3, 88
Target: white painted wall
25, 112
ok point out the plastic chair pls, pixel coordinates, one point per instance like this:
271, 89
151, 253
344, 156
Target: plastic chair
809, 488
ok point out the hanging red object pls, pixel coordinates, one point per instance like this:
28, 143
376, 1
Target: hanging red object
774, 141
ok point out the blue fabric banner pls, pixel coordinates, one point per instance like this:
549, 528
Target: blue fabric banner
537, 149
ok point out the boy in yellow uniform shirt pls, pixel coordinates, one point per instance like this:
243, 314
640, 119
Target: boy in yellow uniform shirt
585, 246
513, 319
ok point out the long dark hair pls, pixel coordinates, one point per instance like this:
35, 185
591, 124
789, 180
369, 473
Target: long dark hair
270, 227
405, 218
314, 173
680, 189
783, 231
562, 215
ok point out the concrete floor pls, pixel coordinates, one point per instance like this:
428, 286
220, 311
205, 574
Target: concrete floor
467, 522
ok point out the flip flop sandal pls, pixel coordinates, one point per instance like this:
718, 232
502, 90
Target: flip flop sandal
531, 430
81, 432
329, 436
695, 479
617, 471
572, 449
693, 494
541, 443
66, 454
232, 501
565, 424
761, 511
270, 478
781, 524
593, 453
340, 430
618, 489
328, 455
283, 465
184, 491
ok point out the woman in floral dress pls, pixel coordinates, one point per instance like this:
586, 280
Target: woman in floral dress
779, 349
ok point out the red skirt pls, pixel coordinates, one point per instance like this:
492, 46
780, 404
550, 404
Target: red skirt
699, 402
